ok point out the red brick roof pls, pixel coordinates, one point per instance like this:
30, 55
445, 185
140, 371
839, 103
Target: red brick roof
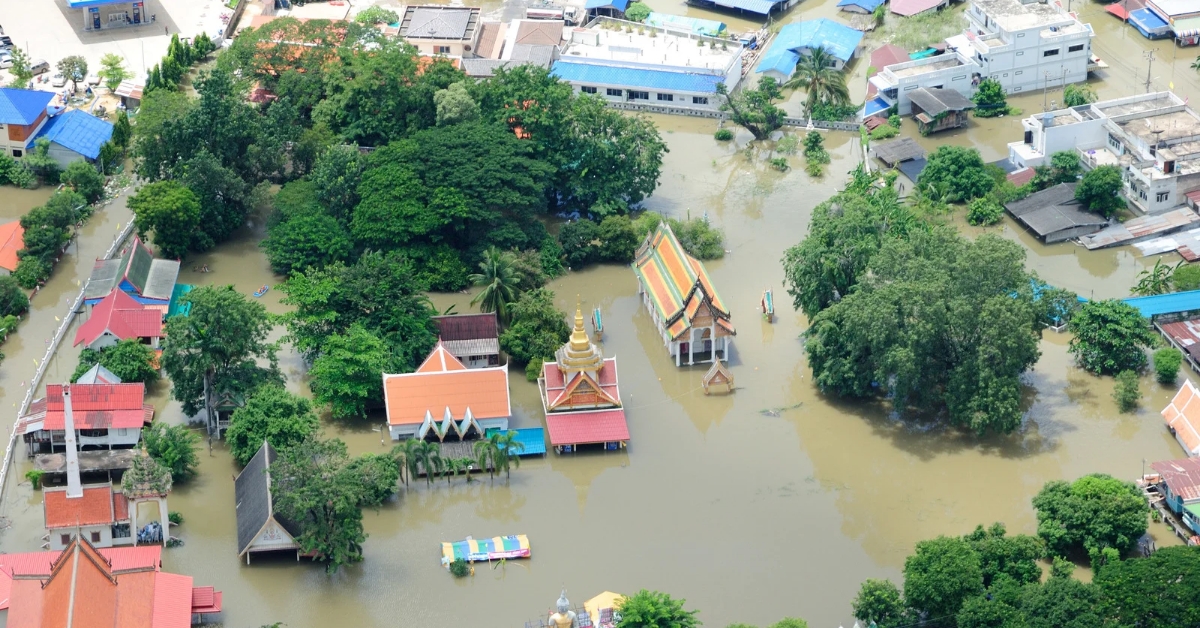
97, 406
583, 428
94, 508
120, 315
34, 564
12, 239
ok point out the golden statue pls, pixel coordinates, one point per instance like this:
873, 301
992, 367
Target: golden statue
565, 617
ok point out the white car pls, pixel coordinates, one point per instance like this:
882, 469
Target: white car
93, 80
58, 80
5, 60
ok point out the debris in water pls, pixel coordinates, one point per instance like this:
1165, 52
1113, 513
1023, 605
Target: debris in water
777, 411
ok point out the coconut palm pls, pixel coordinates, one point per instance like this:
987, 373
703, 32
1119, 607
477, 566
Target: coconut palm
429, 455
816, 75
499, 280
405, 454
486, 455
508, 451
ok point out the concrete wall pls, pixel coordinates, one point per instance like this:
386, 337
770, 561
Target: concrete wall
105, 532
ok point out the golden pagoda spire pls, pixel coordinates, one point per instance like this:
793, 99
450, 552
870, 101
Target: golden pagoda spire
579, 337
579, 354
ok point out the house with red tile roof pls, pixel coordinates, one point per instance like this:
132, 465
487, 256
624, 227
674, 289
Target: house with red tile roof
580, 396
444, 400
32, 564
106, 416
119, 317
87, 588
12, 240
1182, 417
693, 321
101, 516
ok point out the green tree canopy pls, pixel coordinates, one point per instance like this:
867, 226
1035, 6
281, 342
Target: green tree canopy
129, 359
879, 601
989, 99
653, 609
13, 301
618, 240
336, 175
455, 105
1100, 190
755, 109
637, 12
941, 575
312, 240
538, 328
1153, 592
112, 71
1186, 277
314, 485
822, 82
1013, 556
1076, 94
174, 447
84, 179
274, 415
580, 241
1110, 336
957, 173
379, 475
171, 212
74, 68
347, 375
498, 278
1090, 514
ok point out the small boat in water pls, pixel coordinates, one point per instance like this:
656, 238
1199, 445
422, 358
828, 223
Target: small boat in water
598, 324
261, 291
496, 548
768, 305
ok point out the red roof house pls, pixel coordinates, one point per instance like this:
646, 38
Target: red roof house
85, 589
34, 564
909, 8
581, 397
117, 411
444, 398
119, 317
12, 239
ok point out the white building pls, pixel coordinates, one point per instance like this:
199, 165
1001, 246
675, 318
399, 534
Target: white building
628, 62
1025, 45
1153, 138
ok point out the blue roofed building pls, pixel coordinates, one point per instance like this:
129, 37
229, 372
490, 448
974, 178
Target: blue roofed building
606, 8
693, 25
798, 38
661, 68
761, 7
22, 115
860, 6
75, 135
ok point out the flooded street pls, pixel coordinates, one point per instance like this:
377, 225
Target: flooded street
769, 502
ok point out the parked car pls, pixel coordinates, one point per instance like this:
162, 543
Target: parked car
5, 42
5, 60
93, 80
58, 80
39, 66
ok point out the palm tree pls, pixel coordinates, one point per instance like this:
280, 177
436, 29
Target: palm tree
499, 280
824, 83
405, 454
508, 451
430, 456
487, 455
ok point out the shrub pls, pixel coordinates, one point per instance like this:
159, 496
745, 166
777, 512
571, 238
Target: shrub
533, 370
1186, 277
35, 478
84, 179
13, 301
894, 120
780, 164
637, 12
787, 145
884, 132
1126, 392
30, 272
1166, 365
175, 518
700, 239
813, 169
984, 211
459, 568
723, 135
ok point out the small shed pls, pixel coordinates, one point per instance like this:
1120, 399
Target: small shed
259, 528
938, 109
859, 6
896, 151
130, 93
1054, 215
718, 375
472, 338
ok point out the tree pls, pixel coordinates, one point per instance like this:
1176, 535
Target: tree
20, 70
1186, 277
1152, 592
1110, 336
455, 105
538, 328
346, 376
13, 301
879, 602
83, 178
1014, 557
376, 15
1166, 365
1126, 392
315, 486
989, 99
171, 212
700, 239
1094, 512
1065, 166
652, 609
939, 322
637, 12
75, 68
112, 71
1100, 191
336, 174
1061, 603
498, 280
941, 575
612, 160
274, 415
499, 452
129, 359
378, 474
984, 211
40, 162
427, 458
816, 75
312, 240
407, 458
580, 242
174, 447
618, 240
221, 192
1156, 280
216, 349
1075, 95
958, 171
984, 611
754, 109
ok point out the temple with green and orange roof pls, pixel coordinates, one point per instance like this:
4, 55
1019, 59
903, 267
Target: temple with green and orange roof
694, 323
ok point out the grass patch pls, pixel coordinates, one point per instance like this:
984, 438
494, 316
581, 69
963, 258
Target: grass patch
922, 31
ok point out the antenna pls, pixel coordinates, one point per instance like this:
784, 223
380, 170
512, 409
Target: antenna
74, 486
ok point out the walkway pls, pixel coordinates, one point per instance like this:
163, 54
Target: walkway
1172, 303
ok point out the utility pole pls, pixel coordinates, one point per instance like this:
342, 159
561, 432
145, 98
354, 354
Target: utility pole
1045, 87
1149, 64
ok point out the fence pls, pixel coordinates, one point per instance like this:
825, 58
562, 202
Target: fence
45, 363
721, 115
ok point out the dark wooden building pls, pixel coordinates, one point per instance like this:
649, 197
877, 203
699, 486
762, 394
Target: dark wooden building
937, 109
472, 338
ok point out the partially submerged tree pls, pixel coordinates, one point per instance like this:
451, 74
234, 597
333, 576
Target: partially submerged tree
1110, 336
958, 171
754, 109
315, 485
274, 415
1100, 191
174, 447
653, 609
1094, 512
170, 212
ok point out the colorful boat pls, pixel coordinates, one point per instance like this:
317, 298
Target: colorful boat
261, 291
472, 550
768, 305
598, 324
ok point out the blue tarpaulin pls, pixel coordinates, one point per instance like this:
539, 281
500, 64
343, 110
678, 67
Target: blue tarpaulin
1149, 23
693, 25
866, 5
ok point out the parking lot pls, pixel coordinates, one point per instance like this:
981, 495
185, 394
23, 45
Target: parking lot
47, 29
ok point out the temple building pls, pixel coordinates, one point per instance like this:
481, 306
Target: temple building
443, 400
694, 323
580, 396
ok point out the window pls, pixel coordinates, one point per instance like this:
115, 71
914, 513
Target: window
587, 90
441, 50
1075, 48
18, 152
95, 537
1162, 196
1018, 72
1020, 34
639, 95
666, 97
699, 100
1016, 89
1115, 143
66, 539
613, 92
911, 87
1020, 53
1050, 53
959, 78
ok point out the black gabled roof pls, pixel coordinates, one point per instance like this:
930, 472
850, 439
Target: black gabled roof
252, 493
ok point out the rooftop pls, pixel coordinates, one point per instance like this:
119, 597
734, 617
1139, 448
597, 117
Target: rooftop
254, 507
941, 62
118, 314
762, 7
666, 50
77, 131
1164, 127
644, 78
149, 277
439, 22
538, 32
1182, 416
12, 239
22, 106
443, 382
96, 507
937, 101
899, 150
1137, 104
1014, 15
1053, 210
1181, 476
677, 282
1176, 8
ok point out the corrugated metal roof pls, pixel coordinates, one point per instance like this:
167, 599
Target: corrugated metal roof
695, 25
438, 22
121, 316
1181, 476
645, 78
754, 6
22, 106
619, 5
913, 7
1166, 303
839, 40
867, 5
77, 131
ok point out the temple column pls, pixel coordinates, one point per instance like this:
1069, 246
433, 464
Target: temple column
164, 519
691, 346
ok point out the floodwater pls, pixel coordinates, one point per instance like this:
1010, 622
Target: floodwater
769, 502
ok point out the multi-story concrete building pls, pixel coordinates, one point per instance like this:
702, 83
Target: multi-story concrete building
1153, 138
441, 30
1025, 45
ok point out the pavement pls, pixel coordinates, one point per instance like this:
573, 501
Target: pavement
47, 29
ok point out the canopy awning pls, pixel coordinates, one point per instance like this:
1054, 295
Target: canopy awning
87, 4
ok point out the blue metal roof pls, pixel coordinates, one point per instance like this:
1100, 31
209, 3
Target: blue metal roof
645, 78
77, 131
1166, 303
84, 4
1147, 18
840, 40
532, 439
695, 25
763, 7
619, 5
868, 5
875, 105
22, 106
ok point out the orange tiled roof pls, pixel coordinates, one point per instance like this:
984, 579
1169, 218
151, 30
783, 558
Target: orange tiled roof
12, 239
677, 283
94, 508
1182, 416
443, 382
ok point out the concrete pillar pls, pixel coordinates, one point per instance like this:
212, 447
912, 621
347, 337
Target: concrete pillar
164, 519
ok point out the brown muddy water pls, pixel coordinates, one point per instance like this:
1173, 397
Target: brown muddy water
769, 502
